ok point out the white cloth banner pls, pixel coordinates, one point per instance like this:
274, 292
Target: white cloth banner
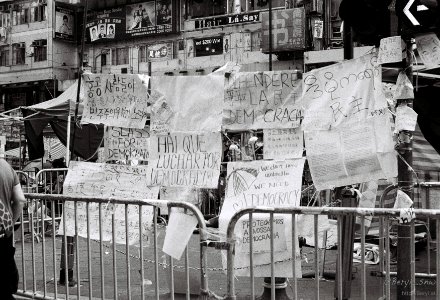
187, 103
255, 100
115, 99
343, 93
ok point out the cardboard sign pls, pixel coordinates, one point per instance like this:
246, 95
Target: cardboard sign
186, 159
428, 47
126, 143
105, 180
352, 154
115, 99
192, 103
283, 143
265, 100
390, 50
343, 93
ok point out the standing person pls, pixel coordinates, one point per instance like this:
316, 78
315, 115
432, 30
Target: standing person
11, 205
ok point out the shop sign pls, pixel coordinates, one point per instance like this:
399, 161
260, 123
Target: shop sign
227, 20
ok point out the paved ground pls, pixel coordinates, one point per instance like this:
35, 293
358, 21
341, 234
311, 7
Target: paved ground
98, 280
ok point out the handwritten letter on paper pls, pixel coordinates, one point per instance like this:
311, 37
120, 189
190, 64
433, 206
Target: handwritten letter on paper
186, 159
126, 143
390, 50
283, 143
347, 92
115, 100
262, 100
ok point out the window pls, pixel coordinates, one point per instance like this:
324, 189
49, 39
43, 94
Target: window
4, 56
20, 14
38, 11
143, 54
120, 56
5, 19
40, 50
18, 56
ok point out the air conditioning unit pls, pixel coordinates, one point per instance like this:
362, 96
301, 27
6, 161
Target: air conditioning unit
124, 70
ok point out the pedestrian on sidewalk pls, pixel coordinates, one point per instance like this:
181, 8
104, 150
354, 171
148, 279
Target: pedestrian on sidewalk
11, 206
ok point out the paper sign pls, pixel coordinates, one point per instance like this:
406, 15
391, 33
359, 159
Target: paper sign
404, 87
283, 143
184, 194
406, 118
186, 159
367, 199
161, 116
179, 230
265, 100
390, 50
318, 29
350, 155
343, 93
267, 184
327, 232
105, 180
428, 47
2, 146
126, 143
260, 234
402, 200
194, 103
115, 99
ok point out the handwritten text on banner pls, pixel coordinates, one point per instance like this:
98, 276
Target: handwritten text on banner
115, 100
126, 143
283, 143
347, 92
186, 159
262, 100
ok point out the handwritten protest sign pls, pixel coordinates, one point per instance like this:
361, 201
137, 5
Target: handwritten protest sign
115, 99
406, 118
126, 143
283, 143
390, 50
187, 103
265, 100
343, 93
428, 47
352, 154
106, 180
269, 184
186, 159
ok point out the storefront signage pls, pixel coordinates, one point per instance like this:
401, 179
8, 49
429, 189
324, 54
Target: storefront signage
227, 20
158, 52
140, 19
208, 46
288, 31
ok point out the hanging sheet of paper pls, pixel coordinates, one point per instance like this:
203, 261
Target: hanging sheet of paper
267, 184
179, 230
115, 99
192, 103
283, 143
126, 143
390, 50
327, 232
107, 181
368, 192
406, 118
186, 159
428, 47
343, 93
353, 154
404, 87
318, 29
255, 100
402, 200
184, 194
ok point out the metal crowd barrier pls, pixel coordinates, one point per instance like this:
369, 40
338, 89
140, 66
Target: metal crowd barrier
133, 272
385, 286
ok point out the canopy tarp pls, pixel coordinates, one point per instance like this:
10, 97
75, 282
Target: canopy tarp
55, 112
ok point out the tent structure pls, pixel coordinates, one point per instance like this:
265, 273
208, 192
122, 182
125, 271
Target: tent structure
57, 113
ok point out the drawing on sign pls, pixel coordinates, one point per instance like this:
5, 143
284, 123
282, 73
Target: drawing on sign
256, 100
241, 180
428, 47
343, 93
126, 143
186, 159
115, 100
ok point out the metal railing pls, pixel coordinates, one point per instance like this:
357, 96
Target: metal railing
384, 288
127, 269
